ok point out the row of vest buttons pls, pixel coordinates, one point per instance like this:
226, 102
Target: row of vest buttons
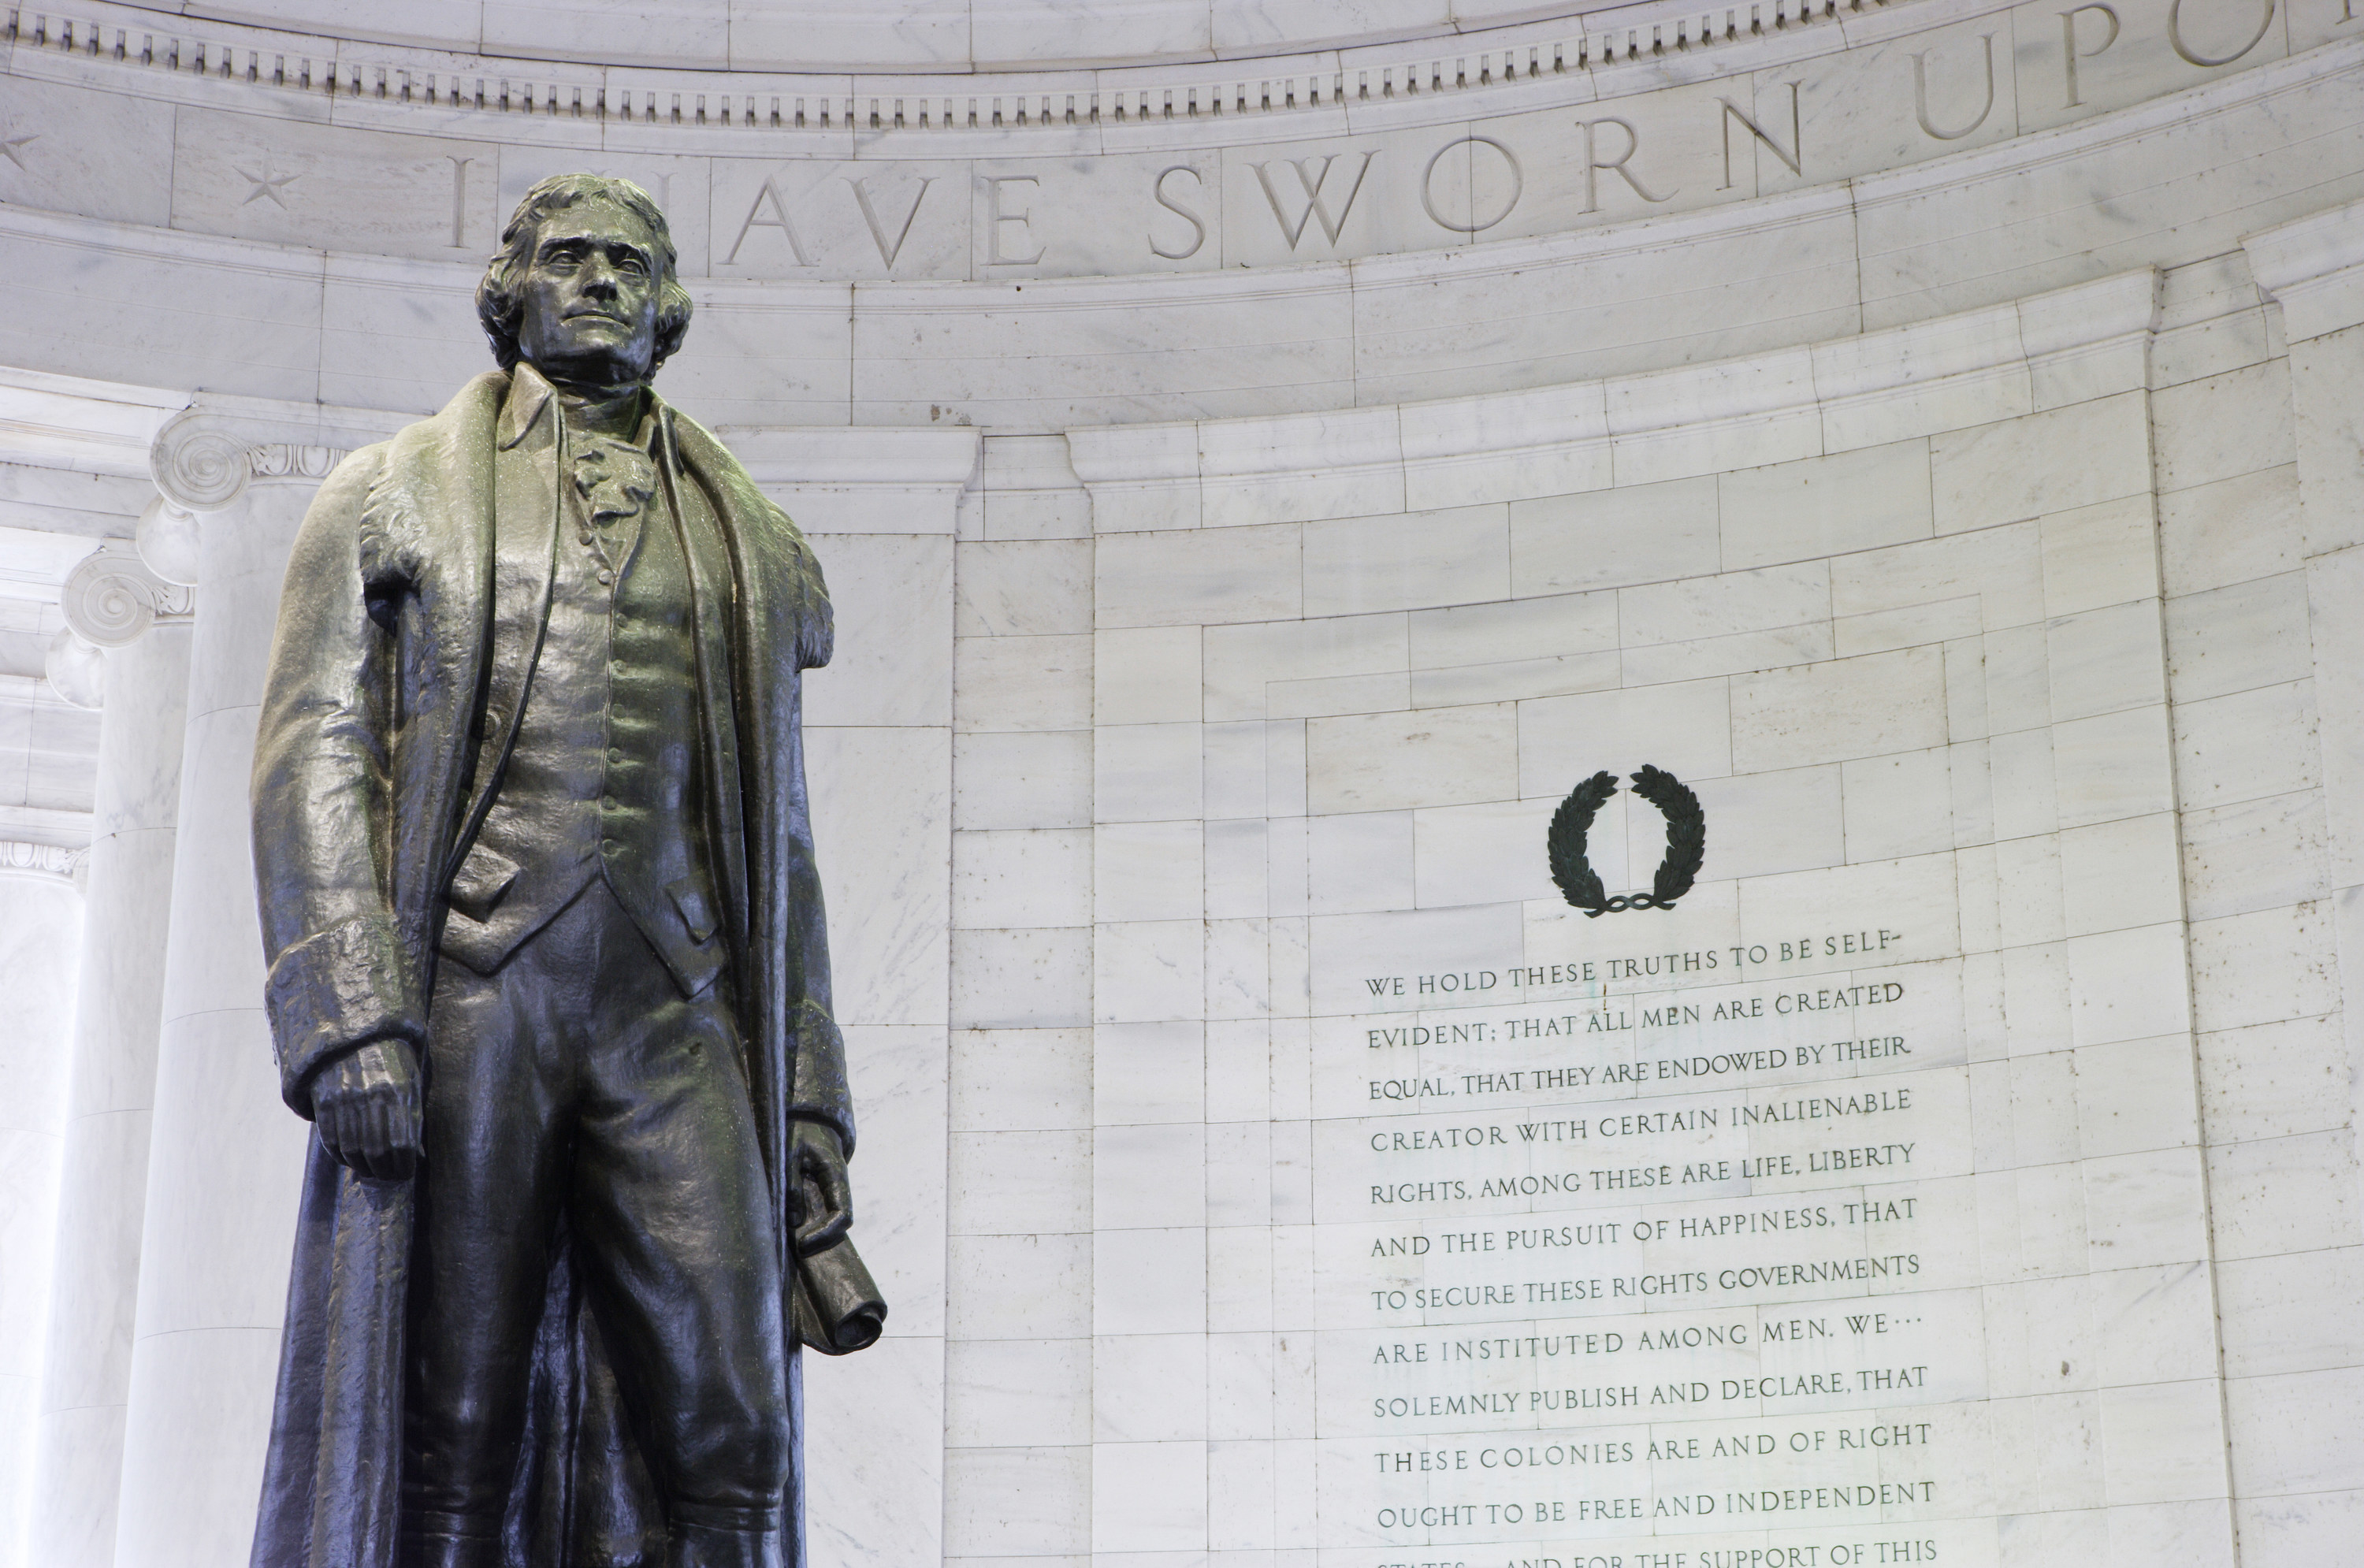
615, 754
605, 576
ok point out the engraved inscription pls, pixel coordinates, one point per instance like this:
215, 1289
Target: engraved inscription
1198, 228
996, 215
1594, 167
887, 253
1791, 156
1921, 92
769, 196
1652, 145
1428, 184
2070, 54
2185, 51
1611, 1246
1313, 185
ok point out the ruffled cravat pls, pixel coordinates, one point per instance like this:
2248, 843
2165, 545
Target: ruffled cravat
615, 481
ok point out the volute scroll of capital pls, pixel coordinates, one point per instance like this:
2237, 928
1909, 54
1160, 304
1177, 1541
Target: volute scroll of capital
198, 465
111, 597
204, 458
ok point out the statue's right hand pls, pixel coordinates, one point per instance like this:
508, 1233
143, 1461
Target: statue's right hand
366, 1106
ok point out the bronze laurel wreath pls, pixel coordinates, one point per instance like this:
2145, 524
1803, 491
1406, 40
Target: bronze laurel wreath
1686, 843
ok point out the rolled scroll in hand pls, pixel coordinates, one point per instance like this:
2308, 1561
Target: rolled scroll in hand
838, 1308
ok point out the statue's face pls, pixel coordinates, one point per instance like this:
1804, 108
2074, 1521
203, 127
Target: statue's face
590, 297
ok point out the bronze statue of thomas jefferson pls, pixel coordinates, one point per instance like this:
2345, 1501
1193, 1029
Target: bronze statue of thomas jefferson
548, 969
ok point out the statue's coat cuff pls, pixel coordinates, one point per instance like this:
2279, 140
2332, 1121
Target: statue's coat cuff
819, 1093
338, 989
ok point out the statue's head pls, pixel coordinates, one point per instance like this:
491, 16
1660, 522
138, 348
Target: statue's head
583, 287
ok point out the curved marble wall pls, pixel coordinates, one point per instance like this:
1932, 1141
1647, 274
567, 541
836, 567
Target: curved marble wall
1273, 161
1019, 277
1175, 356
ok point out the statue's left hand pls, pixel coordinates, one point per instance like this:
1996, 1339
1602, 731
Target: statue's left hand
820, 1196
365, 1106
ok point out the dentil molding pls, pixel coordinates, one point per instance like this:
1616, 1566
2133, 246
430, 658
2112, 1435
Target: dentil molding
179, 58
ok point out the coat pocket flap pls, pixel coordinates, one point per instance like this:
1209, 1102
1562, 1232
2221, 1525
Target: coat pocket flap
697, 906
481, 880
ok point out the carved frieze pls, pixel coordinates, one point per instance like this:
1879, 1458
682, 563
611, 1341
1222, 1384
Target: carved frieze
1267, 162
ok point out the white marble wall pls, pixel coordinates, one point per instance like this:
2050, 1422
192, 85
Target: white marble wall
2271, 875
131, 181
880, 753
1249, 703
2032, 615
1346, 665
1535, 130
1020, 1369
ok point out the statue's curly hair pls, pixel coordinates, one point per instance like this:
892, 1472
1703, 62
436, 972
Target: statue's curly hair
498, 300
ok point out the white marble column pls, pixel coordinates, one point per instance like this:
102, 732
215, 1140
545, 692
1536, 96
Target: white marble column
114, 600
40, 920
224, 1154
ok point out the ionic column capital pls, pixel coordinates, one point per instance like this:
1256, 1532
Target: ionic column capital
206, 456
46, 862
113, 596
110, 599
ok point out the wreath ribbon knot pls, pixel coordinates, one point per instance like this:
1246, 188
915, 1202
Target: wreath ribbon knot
1686, 843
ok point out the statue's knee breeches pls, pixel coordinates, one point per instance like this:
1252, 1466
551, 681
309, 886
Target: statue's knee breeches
576, 1092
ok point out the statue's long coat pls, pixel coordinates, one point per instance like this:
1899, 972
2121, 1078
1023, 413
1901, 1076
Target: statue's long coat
387, 709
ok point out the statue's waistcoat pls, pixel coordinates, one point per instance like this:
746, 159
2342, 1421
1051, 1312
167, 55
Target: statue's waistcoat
601, 779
